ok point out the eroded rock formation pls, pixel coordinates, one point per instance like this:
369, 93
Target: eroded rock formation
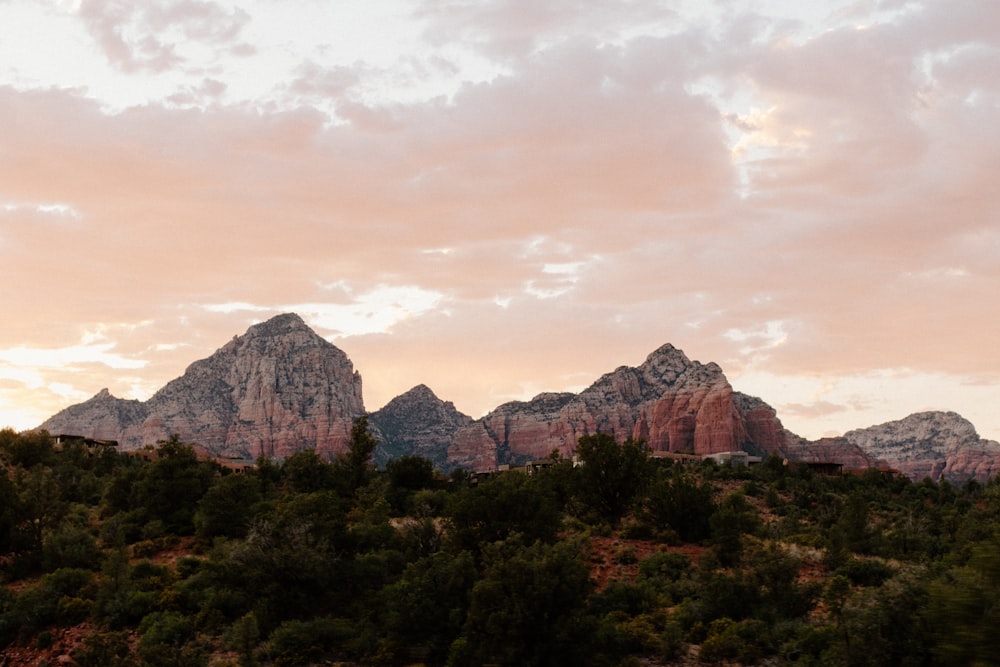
417, 423
931, 444
671, 402
275, 390
281, 388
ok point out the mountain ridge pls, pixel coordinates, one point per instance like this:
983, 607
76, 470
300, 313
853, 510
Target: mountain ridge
280, 388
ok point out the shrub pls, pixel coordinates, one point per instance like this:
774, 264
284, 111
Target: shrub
302, 642
866, 572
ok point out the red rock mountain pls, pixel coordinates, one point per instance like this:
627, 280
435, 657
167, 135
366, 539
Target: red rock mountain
938, 445
671, 402
281, 388
275, 390
417, 423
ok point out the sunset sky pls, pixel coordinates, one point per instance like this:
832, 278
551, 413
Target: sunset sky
502, 197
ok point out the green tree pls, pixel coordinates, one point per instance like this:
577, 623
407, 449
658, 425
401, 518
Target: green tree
39, 508
26, 450
169, 488
528, 607
498, 508
426, 608
355, 466
228, 507
677, 500
963, 609
306, 472
611, 476
407, 475
733, 518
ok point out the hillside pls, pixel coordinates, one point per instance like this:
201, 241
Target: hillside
161, 558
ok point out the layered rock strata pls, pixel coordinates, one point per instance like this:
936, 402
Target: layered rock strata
671, 402
417, 423
938, 445
275, 390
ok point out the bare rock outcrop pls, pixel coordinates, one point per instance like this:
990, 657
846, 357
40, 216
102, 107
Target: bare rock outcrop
671, 402
832, 450
280, 388
938, 445
103, 417
416, 423
275, 390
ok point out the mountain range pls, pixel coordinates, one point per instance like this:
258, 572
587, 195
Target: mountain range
281, 388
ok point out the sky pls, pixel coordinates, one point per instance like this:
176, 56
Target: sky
497, 198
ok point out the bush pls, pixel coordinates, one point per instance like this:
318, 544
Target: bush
744, 641
866, 572
303, 642
70, 546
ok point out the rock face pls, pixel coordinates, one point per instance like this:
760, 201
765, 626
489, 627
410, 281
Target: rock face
416, 423
275, 390
281, 388
832, 450
674, 404
939, 445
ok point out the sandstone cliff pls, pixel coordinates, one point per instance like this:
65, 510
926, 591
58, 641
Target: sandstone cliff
832, 450
275, 390
939, 445
281, 388
416, 423
671, 402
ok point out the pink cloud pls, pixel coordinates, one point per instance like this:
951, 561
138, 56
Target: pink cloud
860, 219
131, 35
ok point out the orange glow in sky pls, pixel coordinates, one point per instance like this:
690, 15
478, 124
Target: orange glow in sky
497, 198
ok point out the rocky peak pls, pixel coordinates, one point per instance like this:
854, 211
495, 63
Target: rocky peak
102, 417
416, 423
671, 402
275, 390
279, 325
930, 444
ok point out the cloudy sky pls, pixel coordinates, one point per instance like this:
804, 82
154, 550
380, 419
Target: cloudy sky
503, 197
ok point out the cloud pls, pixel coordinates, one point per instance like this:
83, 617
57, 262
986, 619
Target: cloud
574, 186
810, 410
152, 36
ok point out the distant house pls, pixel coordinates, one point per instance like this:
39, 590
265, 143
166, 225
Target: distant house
64, 439
677, 457
824, 467
737, 458
532, 467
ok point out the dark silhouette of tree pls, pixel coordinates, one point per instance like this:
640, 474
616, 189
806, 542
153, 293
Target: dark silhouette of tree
611, 476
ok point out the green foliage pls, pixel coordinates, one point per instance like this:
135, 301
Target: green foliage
70, 546
26, 450
243, 638
356, 466
426, 608
678, 501
866, 572
526, 609
313, 562
611, 476
406, 476
105, 649
732, 519
167, 639
169, 488
963, 609
306, 472
499, 508
227, 509
744, 641
297, 643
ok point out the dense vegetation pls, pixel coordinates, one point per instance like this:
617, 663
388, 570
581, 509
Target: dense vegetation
164, 559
